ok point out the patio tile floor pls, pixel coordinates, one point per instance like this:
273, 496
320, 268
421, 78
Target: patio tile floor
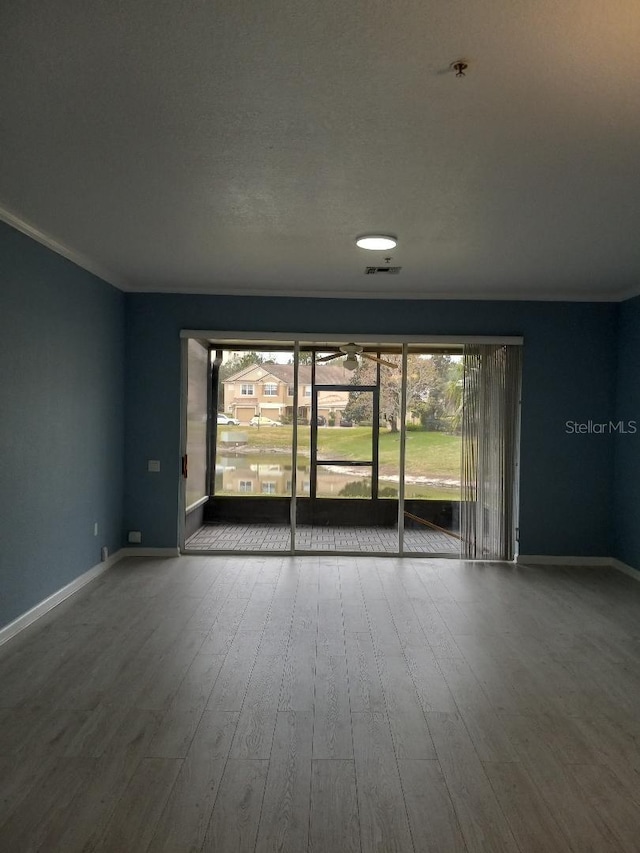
269, 537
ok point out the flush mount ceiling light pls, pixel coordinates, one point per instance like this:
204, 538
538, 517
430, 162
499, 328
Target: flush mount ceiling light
377, 242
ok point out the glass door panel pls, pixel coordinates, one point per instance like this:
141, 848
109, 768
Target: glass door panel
350, 431
334, 513
352, 444
432, 454
343, 481
197, 425
390, 424
249, 509
196, 487
348, 451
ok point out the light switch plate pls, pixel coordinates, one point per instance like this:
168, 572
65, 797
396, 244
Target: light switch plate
153, 465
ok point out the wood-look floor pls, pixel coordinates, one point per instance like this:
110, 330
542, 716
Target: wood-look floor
326, 704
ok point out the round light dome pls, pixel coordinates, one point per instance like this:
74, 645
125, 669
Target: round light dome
350, 362
376, 242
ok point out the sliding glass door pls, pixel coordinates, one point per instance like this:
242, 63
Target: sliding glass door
339, 448
251, 435
433, 390
195, 457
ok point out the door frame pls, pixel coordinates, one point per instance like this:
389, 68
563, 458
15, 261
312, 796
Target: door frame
305, 340
375, 435
211, 426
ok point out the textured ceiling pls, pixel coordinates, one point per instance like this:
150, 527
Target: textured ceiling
240, 147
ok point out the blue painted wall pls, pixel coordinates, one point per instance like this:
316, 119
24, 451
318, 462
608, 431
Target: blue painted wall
90, 381
569, 374
61, 421
627, 446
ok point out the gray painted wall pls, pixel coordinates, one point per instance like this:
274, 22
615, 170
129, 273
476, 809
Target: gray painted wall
61, 421
569, 374
626, 518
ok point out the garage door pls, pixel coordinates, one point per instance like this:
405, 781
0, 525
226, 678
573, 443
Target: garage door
245, 413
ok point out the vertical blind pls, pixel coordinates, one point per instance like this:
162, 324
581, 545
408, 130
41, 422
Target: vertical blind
490, 436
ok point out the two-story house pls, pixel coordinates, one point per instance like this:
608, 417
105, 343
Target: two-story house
267, 389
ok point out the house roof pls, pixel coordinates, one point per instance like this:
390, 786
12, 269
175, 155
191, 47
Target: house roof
326, 374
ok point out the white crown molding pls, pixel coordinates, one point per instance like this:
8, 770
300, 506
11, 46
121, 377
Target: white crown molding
72, 255
107, 275
13, 628
435, 296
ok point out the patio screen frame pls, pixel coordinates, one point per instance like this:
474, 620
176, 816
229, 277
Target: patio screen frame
273, 341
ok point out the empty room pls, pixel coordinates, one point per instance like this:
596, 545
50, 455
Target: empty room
320, 395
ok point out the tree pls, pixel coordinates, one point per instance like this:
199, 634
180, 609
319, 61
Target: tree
304, 357
441, 408
454, 392
359, 407
420, 383
421, 375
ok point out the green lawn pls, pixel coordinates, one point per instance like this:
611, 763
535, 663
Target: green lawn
428, 454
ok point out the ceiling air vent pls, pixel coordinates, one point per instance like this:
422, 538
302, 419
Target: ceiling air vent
386, 270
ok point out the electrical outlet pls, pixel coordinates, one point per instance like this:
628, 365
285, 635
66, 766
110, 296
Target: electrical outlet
95, 528
135, 537
153, 465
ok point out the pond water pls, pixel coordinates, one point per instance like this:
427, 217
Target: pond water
270, 474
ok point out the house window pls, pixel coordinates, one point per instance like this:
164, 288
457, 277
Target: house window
307, 390
246, 486
270, 389
246, 389
268, 488
289, 390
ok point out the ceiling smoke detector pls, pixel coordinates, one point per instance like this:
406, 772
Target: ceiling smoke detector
459, 66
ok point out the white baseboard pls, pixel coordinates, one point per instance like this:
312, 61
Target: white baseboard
58, 597
148, 552
627, 570
587, 562
91, 574
550, 560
